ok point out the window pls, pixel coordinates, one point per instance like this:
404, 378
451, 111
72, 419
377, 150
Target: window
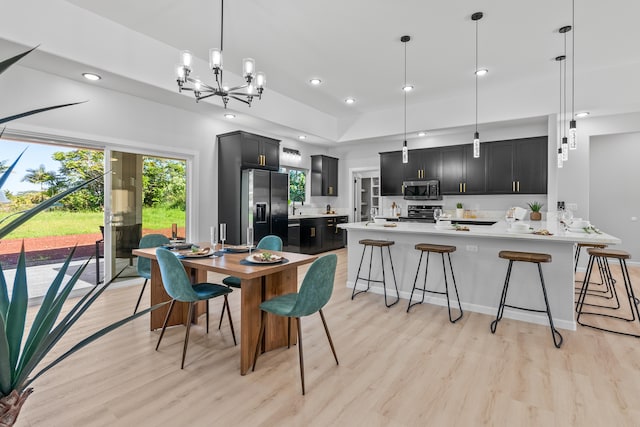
297, 184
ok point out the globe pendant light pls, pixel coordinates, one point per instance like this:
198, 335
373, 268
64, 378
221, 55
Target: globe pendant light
476, 136
406, 88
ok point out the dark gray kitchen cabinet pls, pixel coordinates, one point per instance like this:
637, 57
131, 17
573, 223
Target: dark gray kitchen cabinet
324, 176
517, 166
311, 235
424, 163
391, 173
461, 172
237, 151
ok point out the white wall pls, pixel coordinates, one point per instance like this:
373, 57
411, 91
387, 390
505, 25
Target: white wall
614, 175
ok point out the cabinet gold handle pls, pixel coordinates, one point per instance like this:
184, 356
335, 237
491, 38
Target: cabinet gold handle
518, 186
464, 187
513, 186
313, 232
459, 187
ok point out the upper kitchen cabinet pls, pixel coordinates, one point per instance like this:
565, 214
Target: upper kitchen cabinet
324, 176
391, 173
517, 166
461, 172
255, 151
423, 164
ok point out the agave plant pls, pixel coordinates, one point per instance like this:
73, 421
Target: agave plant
20, 358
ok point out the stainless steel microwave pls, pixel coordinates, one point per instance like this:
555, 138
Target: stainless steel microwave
422, 190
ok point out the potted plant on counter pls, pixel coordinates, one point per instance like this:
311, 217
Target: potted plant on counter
459, 210
535, 214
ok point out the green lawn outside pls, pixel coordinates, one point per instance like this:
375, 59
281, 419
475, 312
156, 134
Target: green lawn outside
59, 223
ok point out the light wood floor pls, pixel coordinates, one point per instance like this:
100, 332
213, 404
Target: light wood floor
396, 369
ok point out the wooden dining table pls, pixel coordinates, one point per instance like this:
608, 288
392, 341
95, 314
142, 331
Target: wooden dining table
259, 282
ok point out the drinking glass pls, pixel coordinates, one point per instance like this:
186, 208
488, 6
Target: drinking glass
510, 216
437, 213
223, 234
213, 237
250, 238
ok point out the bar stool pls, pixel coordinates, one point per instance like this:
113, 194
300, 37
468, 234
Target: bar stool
621, 256
371, 243
606, 279
535, 258
438, 249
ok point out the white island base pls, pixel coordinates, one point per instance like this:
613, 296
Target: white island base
479, 273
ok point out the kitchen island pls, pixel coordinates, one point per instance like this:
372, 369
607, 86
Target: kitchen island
478, 271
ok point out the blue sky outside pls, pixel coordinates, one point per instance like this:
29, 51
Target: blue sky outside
36, 155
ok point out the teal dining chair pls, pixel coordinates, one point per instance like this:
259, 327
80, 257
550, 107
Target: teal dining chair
177, 284
144, 264
267, 243
314, 294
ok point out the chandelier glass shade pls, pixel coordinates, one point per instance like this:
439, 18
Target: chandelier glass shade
254, 81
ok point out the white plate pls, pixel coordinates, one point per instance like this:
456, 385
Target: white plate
186, 254
514, 231
444, 227
576, 230
252, 260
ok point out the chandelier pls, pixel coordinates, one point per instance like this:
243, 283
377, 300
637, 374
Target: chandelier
244, 93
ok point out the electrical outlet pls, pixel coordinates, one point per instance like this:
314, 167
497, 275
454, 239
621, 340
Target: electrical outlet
572, 206
472, 248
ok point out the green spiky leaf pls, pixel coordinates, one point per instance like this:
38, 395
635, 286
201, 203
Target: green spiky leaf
37, 111
4, 65
17, 312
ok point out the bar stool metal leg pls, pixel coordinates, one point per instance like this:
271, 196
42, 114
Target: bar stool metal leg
557, 337
384, 282
455, 287
503, 298
354, 293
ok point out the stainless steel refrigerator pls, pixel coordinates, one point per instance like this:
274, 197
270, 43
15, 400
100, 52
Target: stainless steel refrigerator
264, 204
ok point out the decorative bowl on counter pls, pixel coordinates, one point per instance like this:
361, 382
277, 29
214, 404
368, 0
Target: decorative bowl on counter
379, 220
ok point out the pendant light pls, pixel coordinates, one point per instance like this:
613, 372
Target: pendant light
560, 121
476, 136
406, 88
565, 144
573, 137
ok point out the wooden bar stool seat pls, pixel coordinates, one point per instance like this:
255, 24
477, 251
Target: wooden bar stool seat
605, 254
371, 243
442, 250
535, 258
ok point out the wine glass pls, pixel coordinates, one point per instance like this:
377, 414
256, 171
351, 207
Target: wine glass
437, 214
566, 218
249, 238
213, 237
223, 234
510, 216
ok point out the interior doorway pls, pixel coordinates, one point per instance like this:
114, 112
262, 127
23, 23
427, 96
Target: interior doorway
366, 194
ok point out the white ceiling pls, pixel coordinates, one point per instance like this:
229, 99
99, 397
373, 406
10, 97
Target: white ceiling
354, 47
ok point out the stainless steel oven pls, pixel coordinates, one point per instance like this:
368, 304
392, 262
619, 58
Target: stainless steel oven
422, 190
420, 213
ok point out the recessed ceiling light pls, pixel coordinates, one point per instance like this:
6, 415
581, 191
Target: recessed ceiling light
315, 82
422, 133
481, 72
229, 116
350, 100
407, 88
582, 114
91, 76
302, 137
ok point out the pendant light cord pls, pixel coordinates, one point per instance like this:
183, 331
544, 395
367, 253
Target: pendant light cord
476, 73
404, 89
560, 106
221, 24
564, 117
573, 59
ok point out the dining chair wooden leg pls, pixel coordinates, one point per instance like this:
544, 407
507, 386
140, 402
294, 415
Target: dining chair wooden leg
263, 320
222, 312
326, 329
288, 332
164, 325
186, 335
300, 353
207, 316
233, 333
144, 285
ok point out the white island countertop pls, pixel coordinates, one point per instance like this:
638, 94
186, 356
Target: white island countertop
498, 230
479, 271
